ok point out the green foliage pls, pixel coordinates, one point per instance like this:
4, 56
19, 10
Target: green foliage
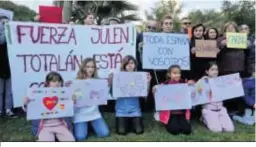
104, 9
21, 13
163, 8
242, 12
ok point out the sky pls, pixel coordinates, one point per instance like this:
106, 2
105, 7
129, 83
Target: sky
189, 5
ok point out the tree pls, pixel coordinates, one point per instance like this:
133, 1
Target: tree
242, 12
103, 10
210, 18
21, 13
163, 8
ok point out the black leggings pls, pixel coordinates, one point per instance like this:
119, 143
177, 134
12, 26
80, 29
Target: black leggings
178, 124
127, 124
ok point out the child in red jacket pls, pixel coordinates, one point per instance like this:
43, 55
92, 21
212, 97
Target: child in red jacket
175, 121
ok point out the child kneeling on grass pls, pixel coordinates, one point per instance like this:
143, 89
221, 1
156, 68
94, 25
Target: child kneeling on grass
214, 114
48, 129
175, 121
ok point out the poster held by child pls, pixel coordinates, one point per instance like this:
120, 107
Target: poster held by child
49, 129
128, 111
175, 121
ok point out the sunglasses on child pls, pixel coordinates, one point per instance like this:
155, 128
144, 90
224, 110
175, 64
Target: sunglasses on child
187, 23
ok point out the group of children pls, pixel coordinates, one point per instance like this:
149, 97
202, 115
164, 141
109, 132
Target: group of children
127, 110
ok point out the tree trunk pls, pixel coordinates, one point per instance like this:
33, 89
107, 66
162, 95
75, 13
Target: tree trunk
67, 11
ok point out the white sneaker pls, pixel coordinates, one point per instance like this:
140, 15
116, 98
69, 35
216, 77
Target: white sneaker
10, 114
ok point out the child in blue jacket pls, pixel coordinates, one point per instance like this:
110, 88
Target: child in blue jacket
249, 90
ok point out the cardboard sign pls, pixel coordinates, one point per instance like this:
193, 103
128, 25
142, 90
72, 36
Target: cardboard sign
35, 49
237, 40
161, 50
90, 92
49, 103
206, 48
226, 87
50, 14
130, 84
173, 97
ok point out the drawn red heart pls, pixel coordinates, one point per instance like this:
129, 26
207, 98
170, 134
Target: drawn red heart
50, 102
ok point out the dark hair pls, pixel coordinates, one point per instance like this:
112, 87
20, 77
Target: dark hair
209, 65
207, 33
197, 26
126, 60
170, 70
53, 77
183, 18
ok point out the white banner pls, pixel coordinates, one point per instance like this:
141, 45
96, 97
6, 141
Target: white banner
35, 49
226, 87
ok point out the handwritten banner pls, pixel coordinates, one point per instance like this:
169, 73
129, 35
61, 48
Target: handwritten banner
226, 87
237, 40
50, 14
161, 50
130, 84
172, 97
35, 49
91, 92
49, 103
206, 48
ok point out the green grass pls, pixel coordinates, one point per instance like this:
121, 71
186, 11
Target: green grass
19, 130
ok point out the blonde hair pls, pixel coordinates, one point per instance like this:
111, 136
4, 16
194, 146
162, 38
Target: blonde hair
126, 60
228, 24
82, 74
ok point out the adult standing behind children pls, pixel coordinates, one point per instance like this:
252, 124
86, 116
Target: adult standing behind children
231, 61
5, 75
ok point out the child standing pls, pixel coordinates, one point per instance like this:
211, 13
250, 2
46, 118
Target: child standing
48, 129
128, 111
90, 114
214, 114
175, 121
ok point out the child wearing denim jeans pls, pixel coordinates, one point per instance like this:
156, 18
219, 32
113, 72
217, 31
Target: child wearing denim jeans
89, 114
128, 111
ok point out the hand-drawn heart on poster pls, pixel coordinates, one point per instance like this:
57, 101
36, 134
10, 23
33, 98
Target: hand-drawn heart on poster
91, 92
46, 103
130, 84
172, 97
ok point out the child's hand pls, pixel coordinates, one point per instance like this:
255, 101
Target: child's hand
26, 101
154, 90
193, 50
224, 42
217, 50
191, 82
